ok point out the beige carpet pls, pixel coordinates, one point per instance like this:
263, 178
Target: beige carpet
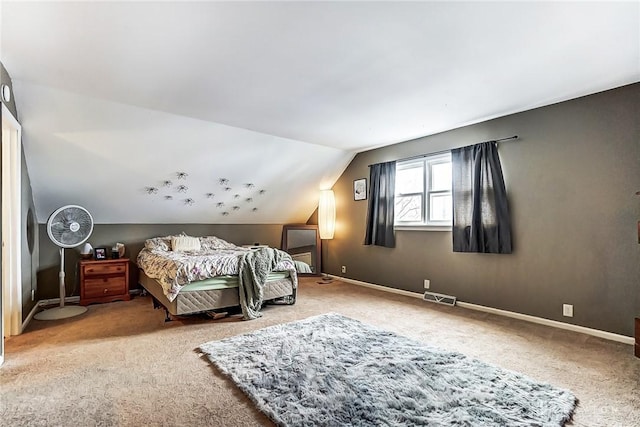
121, 365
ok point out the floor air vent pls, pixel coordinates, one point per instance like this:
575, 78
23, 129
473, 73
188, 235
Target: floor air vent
440, 298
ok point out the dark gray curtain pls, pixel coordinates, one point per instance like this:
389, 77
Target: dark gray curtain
481, 220
382, 190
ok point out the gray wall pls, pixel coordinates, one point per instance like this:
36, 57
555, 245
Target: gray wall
30, 259
571, 180
133, 236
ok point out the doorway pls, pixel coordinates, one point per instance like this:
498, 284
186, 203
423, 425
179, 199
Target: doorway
10, 233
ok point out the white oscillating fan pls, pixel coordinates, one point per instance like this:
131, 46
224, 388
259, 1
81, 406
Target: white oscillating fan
68, 227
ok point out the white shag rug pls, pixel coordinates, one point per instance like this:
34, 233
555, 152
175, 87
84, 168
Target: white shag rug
331, 370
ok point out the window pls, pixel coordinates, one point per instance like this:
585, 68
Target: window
423, 192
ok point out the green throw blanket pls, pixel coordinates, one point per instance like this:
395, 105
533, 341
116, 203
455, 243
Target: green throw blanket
254, 267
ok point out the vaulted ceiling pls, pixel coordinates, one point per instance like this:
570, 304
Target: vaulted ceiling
262, 104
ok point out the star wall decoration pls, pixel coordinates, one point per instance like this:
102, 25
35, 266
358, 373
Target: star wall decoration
244, 192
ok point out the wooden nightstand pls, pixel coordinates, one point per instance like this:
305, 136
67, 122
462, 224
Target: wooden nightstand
104, 281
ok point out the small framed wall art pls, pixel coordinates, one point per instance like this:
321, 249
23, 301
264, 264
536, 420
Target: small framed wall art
100, 253
360, 189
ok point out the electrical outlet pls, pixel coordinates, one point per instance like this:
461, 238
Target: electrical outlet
567, 310
344, 269
427, 283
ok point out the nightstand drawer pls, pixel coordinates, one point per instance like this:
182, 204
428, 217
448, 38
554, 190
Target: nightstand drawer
102, 269
103, 287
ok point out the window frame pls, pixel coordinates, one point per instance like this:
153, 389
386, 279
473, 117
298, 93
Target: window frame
425, 224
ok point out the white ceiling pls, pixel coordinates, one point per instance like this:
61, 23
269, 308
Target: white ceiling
115, 97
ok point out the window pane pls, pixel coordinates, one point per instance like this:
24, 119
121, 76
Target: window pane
408, 208
409, 180
441, 177
440, 207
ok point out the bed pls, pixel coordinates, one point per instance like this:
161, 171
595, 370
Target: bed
188, 275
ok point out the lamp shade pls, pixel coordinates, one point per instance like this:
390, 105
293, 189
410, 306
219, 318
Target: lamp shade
87, 250
327, 214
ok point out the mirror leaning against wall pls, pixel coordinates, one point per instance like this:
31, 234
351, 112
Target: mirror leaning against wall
302, 242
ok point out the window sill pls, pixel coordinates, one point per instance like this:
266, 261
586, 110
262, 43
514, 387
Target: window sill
422, 227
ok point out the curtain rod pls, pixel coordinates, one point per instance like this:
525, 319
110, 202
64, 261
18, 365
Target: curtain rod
447, 151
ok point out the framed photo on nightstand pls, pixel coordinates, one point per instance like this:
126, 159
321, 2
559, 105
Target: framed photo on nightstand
360, 189
100, 253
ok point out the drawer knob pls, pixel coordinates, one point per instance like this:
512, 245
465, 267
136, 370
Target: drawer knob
106, 290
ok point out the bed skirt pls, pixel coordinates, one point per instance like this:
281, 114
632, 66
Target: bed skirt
190, 302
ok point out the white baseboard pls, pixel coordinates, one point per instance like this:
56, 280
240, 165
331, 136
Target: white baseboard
379, 287
51, 301
533, 319
47, 302
32, 313
44, 303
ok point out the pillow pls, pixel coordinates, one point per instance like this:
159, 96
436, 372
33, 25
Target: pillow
185, 243
158, 243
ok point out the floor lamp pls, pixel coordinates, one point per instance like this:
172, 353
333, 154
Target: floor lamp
326, 220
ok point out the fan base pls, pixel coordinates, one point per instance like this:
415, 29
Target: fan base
60, 312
